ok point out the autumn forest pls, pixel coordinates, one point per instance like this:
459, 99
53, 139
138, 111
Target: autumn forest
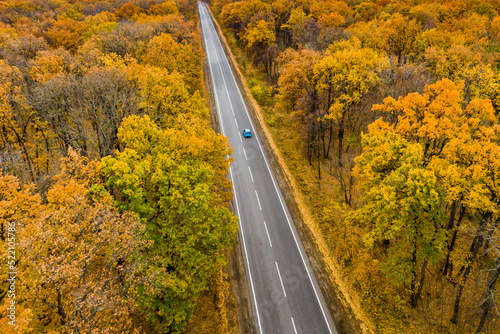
114, 203
113, 183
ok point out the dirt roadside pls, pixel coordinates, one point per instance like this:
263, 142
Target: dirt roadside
347, 319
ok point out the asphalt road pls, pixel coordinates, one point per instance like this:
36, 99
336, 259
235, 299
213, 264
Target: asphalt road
286, 297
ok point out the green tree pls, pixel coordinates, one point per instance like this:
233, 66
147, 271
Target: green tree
170, 179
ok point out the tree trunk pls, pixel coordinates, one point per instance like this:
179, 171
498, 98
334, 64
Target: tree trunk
47, 149
489, 234
465, 270
413, 284
319, 163
488, 302
451, 220
351, 185
416, 296
322, 135
451, 245
26, 156
309, 151
341, 139
456, 307
60, 309
330, 128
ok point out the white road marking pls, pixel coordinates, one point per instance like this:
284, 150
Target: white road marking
235, 120
281, 201
282, 286
268, 237
250, 171
258, 200
245, 152
241, 139
275, 186
294, 328
236, 202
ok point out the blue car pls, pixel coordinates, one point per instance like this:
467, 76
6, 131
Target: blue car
247, 133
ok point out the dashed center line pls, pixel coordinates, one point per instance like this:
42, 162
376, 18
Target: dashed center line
279, 274
241, 139
267, 232
250, 171
258, 201
294, 328
245, 152
236, 122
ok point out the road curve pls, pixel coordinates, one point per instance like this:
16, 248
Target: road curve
285, 294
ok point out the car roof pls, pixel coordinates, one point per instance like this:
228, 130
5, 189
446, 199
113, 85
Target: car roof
246, 130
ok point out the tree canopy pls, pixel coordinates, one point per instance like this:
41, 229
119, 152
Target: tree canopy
386, 113
111, 175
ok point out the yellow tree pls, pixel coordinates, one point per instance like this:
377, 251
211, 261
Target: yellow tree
451, 63
48, 64
450, 135
258, 38
435, 117
331, 13
22, 129
472, 175
128, 11
281, 11
304, 28
260, 35
495, 27
237, 15
400, 36
298, 94
370, 34
297, 88
343, 76
403, 206
166, 97
164, 51
18, 207
182, 31
166, 8
460, 63
101, 22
